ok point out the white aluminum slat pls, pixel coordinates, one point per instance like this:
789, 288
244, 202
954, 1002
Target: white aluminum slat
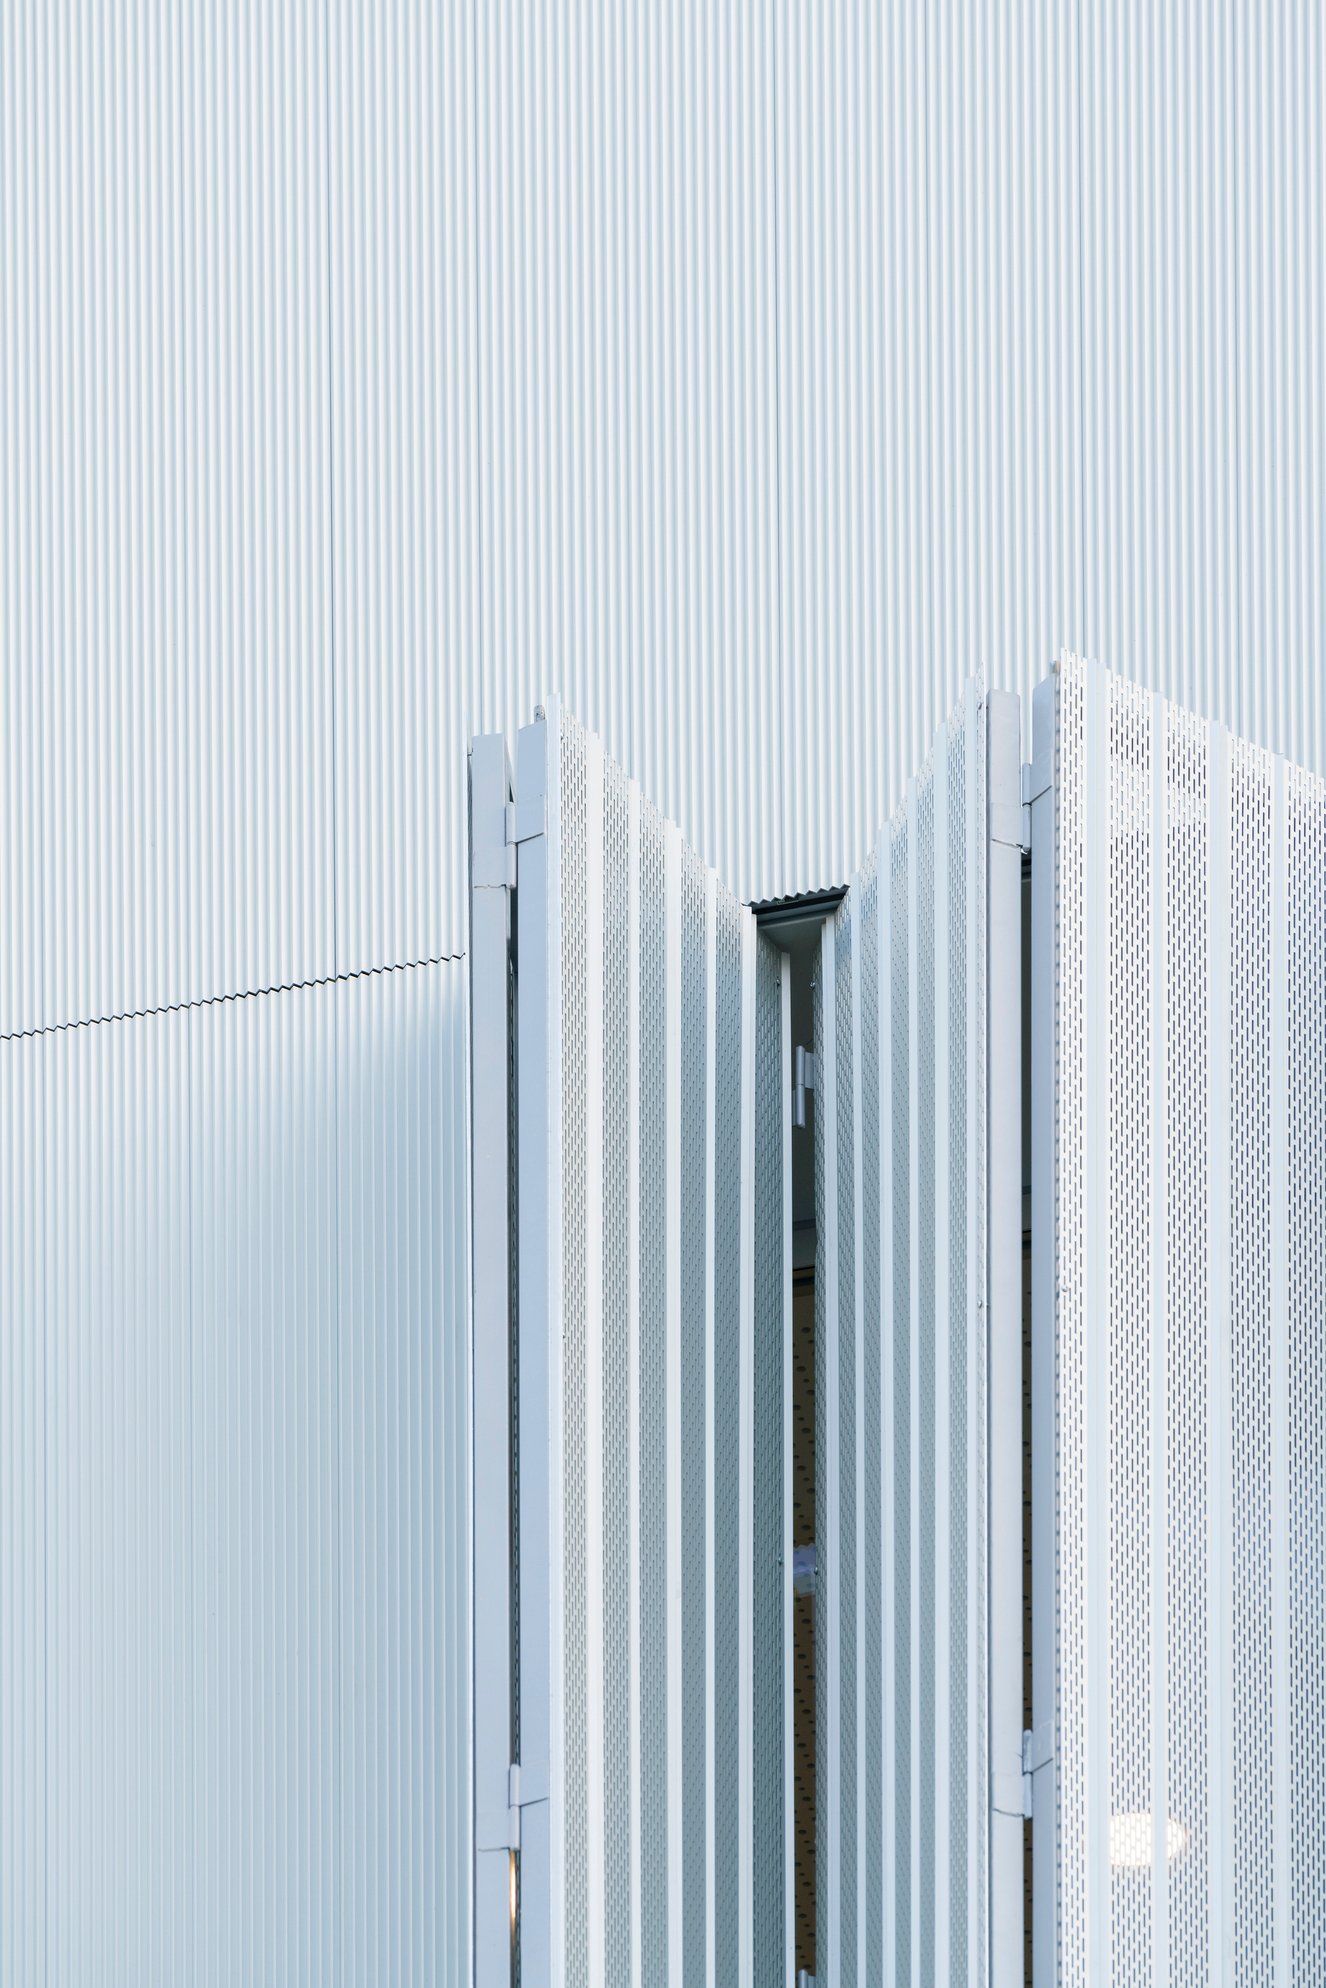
673, 1502
1159, 1215
943, 1384
639, 992
1282, 1821
906, 964
491, 1375
1000, 1131
710, 1039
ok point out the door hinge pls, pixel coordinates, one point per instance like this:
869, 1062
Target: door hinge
805, 1077
494, 861
526, 819
513, 1806
803, 1569
1037, 1752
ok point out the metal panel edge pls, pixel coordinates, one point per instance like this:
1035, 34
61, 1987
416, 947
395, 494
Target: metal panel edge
1045, 1800
1002, 1077
490, 1392
538, 1009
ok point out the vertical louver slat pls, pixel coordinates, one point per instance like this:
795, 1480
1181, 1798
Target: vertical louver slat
902, 1437
654, 1102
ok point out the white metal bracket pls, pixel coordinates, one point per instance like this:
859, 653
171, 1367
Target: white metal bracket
1036, 780
805, 1077
1037, 1752
492, 854
526, 819
513, 1806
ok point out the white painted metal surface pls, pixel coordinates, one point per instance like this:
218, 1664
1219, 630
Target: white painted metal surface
741, 373
918, 1443
738, 372
1179, 958
653, 1583
233, 1492
493, 1368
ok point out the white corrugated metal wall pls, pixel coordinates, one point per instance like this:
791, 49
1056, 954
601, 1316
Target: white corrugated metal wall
233, 1491
749, 374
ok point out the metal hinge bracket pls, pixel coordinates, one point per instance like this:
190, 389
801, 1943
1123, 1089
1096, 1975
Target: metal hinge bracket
803, 1570
513, 1806
1037, 1752
805, 1077
526, 819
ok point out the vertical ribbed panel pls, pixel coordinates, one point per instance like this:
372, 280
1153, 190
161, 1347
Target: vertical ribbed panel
405, 472
739, 372
232, 1497
727, 1417
1190, 959
267, 1640
928, 358
1159, 414
627, 435
402, 1520
666, 1137
25, 1806
1276, 268
901, 1120
164, 508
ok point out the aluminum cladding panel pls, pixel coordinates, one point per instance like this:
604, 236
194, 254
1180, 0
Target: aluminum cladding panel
738, 370
1188, 1333
901, 1393
233, 1589
661, 1309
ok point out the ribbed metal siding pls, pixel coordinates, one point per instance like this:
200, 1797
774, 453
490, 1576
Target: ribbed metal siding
739, 372
1187, 1590
901, 1123
405, 586
165, 508
640, 937
232, 1495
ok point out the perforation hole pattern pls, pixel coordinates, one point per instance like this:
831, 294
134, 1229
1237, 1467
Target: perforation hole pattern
1242, 1526
1129, 1406
1250, 1338
1070, 1336
653, 1384
616, 1378
573, 885
653, 1804
1187, 1335
1307, 1372
881, 1765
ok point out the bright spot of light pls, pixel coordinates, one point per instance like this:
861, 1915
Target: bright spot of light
1132, 1841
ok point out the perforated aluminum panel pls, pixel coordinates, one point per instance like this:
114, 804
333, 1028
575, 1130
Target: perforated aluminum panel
901, 1393
1186, 1104
664, 1314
